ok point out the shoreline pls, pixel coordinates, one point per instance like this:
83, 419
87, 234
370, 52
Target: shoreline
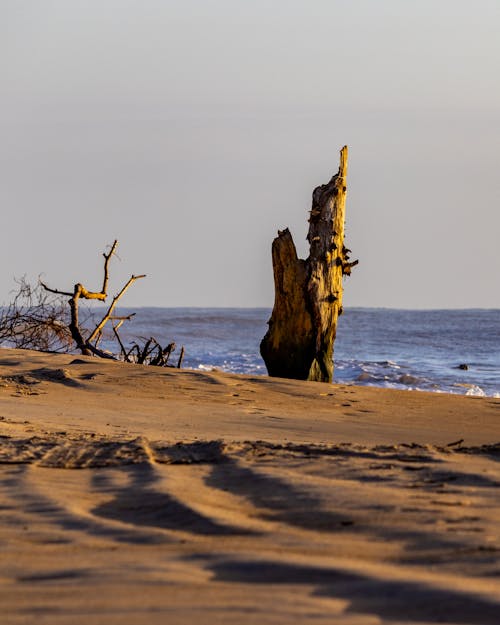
83, 393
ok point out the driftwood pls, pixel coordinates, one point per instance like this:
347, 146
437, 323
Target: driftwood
85, 344
151, 353
308, 293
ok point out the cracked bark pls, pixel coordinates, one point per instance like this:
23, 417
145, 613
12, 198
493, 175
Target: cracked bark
308, 293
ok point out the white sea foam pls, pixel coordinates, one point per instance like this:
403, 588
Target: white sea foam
475, 391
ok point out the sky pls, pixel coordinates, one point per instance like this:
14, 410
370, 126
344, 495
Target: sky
191, 131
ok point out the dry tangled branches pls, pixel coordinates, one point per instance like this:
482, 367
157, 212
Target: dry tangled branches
35, 319
39, 318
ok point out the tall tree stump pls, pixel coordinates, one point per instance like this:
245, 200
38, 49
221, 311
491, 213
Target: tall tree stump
308, 293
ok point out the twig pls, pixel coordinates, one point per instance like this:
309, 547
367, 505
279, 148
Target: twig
56, 291
167, 352
135, 348
181, 357
122, 318
145, 351
122, 347
455, 443
106, 264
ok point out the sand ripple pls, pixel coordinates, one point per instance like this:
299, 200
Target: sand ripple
343, 533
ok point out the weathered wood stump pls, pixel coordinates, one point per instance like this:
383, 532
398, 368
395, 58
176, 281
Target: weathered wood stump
308, 293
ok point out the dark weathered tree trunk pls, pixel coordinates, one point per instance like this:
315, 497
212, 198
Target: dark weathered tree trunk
308, 293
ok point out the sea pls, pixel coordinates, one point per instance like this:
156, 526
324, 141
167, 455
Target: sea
445, 351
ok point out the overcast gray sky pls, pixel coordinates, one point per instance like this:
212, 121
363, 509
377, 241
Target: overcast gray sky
191, 130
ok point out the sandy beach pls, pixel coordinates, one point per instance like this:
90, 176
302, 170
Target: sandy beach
139, 495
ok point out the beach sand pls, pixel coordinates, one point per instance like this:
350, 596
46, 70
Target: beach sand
136, 495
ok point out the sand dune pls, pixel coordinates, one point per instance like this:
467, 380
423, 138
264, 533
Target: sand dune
134, 495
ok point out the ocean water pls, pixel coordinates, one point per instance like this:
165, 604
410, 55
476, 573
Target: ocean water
403, 349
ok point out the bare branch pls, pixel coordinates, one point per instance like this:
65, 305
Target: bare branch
39, 318
106, 264
181, 357
74, 326
141, 359
101, 296
109, 312
122, 346
122, 317
167, 352
56, 291
99, 352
